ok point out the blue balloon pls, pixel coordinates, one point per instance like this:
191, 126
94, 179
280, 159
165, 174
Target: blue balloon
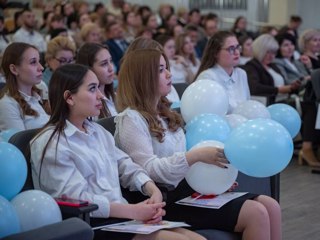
259, 147
206, 127
7, 134
286, 116
175, 105
13, 170
9, 220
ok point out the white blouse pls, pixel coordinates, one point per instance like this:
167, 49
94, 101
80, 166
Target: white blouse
111, 106
85, 166
164, 161
11, 116
235, 85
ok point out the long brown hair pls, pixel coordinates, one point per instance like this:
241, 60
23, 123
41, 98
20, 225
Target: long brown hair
212, 49
14, 55
179, 41
138, 86
87, 56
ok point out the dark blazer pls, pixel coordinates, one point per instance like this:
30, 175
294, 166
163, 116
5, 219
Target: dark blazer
201, 45
260, 81
116, 52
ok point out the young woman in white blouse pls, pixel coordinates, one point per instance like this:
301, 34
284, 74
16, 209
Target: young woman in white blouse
219, 62
21, 103
152, 135
98, 58
77, 158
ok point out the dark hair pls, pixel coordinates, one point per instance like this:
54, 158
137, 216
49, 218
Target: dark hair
13, 54
66, 78
295, 18
98, 6
163, 39
194, 10
87, 56
55, 32
236, 22
280, 39
213, 47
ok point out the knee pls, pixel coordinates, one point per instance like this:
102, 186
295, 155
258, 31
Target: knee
270, 204
256, 213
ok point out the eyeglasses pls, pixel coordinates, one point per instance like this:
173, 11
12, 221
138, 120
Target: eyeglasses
64, 60
232, 49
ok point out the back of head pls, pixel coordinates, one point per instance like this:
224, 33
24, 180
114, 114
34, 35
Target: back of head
138, 80
142, 43
262, 44
163, 39
65, 79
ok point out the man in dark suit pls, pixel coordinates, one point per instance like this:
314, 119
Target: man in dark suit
116, 42
210, 28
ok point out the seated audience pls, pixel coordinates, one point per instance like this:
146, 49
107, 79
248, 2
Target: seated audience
77, 158
153, 137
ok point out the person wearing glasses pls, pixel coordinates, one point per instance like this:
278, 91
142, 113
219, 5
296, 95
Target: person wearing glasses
61, 50
264, 77
221, 56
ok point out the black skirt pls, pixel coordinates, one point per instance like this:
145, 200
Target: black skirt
224, 218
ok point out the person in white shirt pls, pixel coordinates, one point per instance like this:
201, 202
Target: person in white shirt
98, 58
152, 135
219, 64
21, 103
74, 157
27, 33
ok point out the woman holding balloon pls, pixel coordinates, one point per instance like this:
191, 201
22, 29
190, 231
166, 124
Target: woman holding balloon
153, 137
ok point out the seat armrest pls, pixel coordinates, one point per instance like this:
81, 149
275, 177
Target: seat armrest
69, 229
82, 212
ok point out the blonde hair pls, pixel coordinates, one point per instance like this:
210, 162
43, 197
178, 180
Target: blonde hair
87, 28
262, 44
306, 36
57, 44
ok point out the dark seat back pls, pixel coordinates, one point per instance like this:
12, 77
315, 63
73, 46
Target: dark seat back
21, 140
108, 123
180, 87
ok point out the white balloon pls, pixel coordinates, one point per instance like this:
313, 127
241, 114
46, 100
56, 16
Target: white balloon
209, 179
235, 120
36, 209
203, 96
252, 109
